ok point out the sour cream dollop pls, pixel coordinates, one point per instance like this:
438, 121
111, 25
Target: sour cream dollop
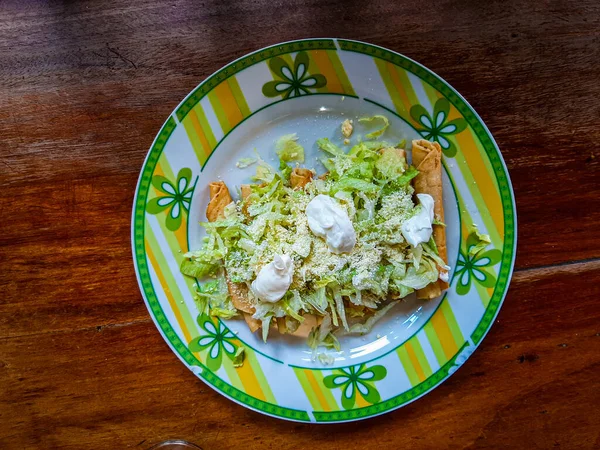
329, 221
418, 228
444, 276
274, 279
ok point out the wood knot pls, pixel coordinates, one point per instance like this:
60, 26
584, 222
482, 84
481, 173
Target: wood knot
529, 357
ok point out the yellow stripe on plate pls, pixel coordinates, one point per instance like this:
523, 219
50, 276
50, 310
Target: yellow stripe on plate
405, 91
225, 107
197, 135
446, 343
324, 67
167, 291
412, 355
360, 401
481, 186
317, 389
249, 379
408, 87
341, 72
307, 388
407, 364
386, 78
238, 95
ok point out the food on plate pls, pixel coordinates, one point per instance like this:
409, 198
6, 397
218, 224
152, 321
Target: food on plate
347, 128
321, 256
427, 158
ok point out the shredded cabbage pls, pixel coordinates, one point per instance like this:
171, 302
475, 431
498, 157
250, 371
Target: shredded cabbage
477, 241
372, 184
355, 184
322, 336
289, 150
362, 328
329, 147
377, 133
213, 297
199, 268
391, 165
239, 357
245, 162
325, 358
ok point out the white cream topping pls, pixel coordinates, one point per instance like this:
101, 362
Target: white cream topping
329, 221
418, 228
444, 276
274, 279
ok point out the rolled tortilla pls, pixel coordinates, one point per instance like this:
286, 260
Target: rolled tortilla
246, 190
427, 158
219, 199
300, 177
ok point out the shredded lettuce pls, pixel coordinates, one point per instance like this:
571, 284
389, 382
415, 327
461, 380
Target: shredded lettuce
405, 178
327, 146
391, 165
239, 357
354, 184
372, 183
291, 324
285, 171
198, 268
339, 305
265, 324
213, 297
477, 241
325, 358
437, 222
377, 133
322, 336
215, 311
317, 300
288, 149
433, 255
433, 246
245, 162
264, 171
362, 328
368, 147
414, 279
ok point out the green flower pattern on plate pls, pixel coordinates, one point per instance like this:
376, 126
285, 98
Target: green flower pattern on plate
475, 268
436, 127
217, 340
175, 198
356, 380
292, 82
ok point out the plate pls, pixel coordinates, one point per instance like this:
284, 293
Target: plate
308, 87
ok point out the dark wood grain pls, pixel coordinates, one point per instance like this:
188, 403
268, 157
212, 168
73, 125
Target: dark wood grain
85, 86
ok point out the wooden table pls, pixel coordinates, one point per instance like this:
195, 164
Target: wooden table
85, 86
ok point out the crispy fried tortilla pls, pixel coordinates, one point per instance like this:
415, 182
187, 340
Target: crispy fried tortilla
219, 199
427, 158
300, 177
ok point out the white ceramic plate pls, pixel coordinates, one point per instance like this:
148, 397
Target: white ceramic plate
308, 87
